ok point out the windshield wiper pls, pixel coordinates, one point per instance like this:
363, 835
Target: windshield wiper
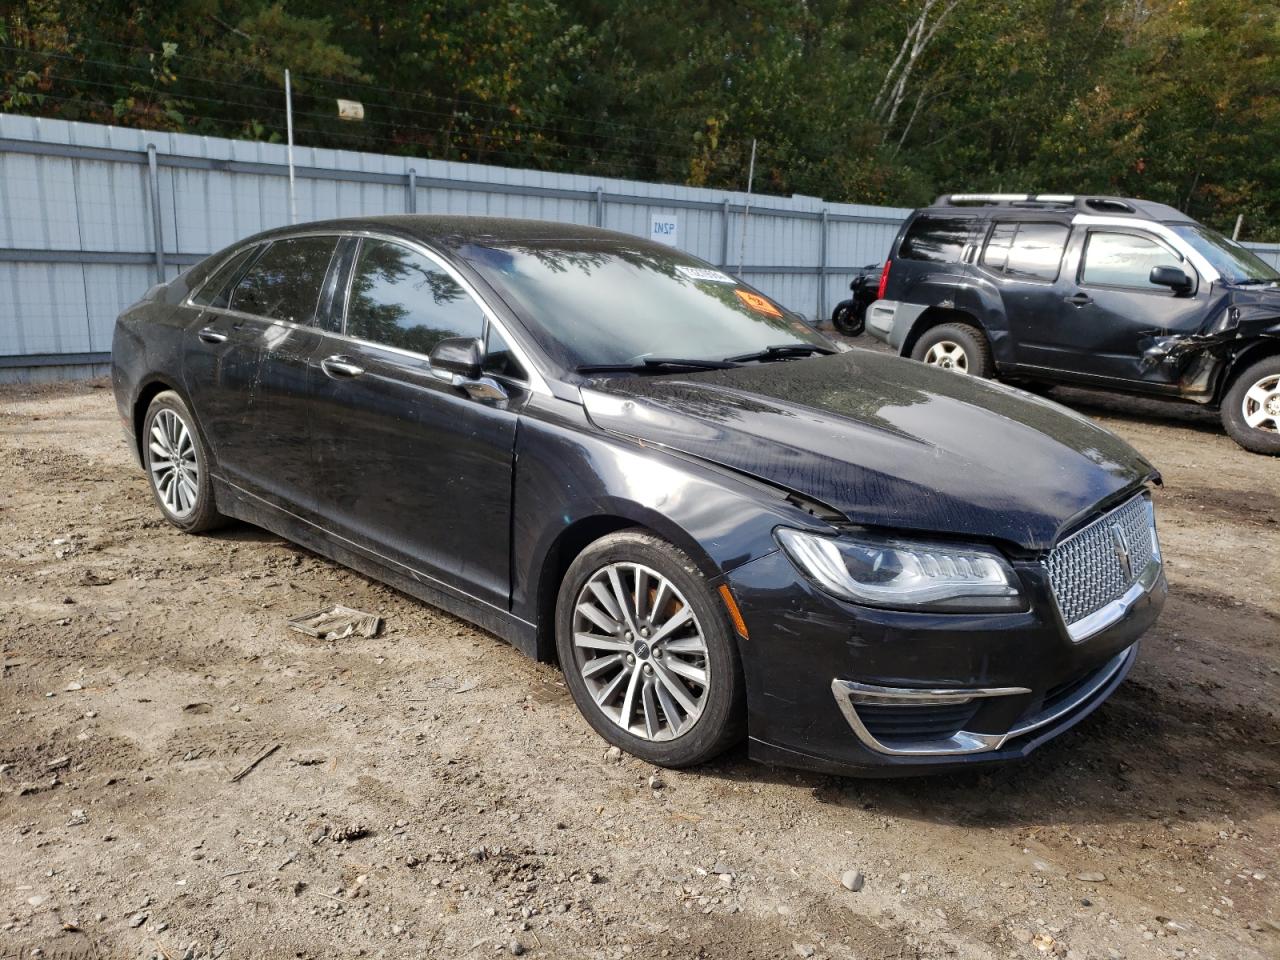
656, 363
782, 351
1250, 281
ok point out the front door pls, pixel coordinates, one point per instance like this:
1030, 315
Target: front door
247, 367
1110, 313
411, 468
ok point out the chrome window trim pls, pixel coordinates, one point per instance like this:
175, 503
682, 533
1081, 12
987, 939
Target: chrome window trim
536, 380
1171, 239
848, 692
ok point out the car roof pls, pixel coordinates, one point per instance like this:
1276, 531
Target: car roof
453, 231
987, 205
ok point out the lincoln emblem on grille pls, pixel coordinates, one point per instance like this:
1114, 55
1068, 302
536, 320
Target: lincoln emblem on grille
1120, 543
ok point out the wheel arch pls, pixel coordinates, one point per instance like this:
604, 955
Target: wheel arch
151, 387
936, 317
580, 534
1260, 349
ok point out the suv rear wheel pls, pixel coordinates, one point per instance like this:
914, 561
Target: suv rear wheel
1251, 408
955, 346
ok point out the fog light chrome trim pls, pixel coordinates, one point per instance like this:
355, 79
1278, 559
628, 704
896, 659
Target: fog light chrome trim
849, 693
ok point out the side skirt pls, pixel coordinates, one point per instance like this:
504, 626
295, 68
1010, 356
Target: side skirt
234, 502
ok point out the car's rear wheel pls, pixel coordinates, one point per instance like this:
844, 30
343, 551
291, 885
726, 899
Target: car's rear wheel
177, 465
1251, 408
647, 651
958, 347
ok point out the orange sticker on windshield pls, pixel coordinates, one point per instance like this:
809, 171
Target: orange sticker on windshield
758, 303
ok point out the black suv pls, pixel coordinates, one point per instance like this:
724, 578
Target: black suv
1098, 291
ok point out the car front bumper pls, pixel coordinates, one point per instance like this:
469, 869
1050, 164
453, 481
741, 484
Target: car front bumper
839, 688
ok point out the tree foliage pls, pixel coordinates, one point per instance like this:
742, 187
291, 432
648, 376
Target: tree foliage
893, 102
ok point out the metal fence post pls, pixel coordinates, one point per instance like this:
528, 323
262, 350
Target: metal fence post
157, 222
411, 201
599, 206
822, 267
724, 236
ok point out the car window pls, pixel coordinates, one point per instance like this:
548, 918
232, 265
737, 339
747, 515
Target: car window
499, 360
937, 239
216, 291
402, 299
1026, 250
1125, 260
284, 283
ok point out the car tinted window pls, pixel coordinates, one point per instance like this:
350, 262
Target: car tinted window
216, 291
498, 357
939, 239
1031, 250
402, 299
997, 251
1125, 260
284, 283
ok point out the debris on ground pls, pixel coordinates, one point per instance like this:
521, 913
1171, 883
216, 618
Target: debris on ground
337, 623
254, 762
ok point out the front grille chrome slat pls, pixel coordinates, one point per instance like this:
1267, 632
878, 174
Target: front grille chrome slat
1102, 563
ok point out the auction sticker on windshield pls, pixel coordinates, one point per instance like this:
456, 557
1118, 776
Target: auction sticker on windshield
705, 274
758, 303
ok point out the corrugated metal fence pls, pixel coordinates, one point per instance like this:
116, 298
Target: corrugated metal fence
90, 216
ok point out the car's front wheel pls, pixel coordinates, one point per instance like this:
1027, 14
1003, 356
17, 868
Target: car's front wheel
177, 465
958, 347
1251, 408
647, 651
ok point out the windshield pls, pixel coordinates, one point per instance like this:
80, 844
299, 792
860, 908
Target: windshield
605, 301
1236, 263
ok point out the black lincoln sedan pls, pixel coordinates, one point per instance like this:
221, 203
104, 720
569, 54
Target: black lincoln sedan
617, 457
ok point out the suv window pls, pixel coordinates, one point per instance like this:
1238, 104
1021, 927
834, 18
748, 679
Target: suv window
284, 283
1029, 250
402, 299
1124, 260
937, 239
216, 291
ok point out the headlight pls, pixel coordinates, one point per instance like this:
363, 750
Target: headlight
907, 575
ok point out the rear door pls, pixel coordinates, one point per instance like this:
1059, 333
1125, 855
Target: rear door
1023, 260
247, 367
411, 468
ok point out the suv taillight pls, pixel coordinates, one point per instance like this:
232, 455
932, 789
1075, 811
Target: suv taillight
884, 280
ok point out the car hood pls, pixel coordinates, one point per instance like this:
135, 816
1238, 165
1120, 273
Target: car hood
887, 442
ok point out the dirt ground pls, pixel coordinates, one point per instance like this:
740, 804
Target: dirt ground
434, 794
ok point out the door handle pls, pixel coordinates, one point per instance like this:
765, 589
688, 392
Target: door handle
1079, 299
210, 335
340, 367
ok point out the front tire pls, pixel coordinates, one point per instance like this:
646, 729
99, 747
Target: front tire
177, 464
1251, 408
958, 347
647, 652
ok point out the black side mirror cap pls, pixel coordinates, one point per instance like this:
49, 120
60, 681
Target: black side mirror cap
1173, 277
457, 357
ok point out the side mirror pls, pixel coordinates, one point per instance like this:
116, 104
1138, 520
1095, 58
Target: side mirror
1173, 277
457, 357
460, 361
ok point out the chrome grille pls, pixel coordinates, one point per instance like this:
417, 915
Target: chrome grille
1086, 569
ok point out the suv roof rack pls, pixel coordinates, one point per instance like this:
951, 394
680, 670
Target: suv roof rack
1037, 200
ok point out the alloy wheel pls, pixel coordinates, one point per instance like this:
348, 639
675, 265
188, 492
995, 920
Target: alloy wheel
640, 651
175, 470
949, 355
1261, 404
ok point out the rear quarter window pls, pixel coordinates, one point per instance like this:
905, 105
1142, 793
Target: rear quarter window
936, 239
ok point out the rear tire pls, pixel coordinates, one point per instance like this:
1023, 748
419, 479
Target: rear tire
1251, 407
676, 703
958, 347
177, 464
